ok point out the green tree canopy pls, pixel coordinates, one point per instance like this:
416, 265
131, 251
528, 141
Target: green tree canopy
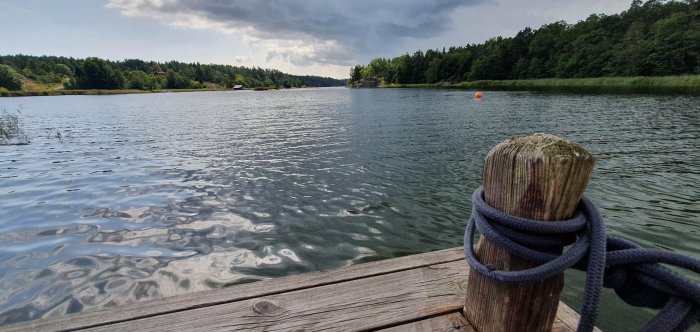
98, 74
93, 73
63, 70
137, 79
9, 78
175, 80
651, 38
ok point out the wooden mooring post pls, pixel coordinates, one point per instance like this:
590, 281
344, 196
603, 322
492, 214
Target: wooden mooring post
538, 177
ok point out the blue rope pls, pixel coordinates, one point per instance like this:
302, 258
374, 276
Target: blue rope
633, 272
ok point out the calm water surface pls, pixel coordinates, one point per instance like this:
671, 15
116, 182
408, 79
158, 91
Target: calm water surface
147, 196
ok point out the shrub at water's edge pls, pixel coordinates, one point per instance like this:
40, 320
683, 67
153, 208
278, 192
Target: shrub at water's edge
9, 78
11, 132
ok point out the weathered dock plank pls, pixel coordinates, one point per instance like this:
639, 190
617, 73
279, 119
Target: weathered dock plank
414, 293
453, 322
240, 292
361, 304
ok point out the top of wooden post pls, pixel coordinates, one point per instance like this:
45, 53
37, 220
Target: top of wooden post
540, 177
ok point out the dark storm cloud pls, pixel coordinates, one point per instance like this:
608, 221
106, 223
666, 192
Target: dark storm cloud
319, 31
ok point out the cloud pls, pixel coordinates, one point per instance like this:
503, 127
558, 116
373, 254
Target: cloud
307, 32
241, 58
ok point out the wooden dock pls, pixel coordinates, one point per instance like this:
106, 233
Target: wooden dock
423, 292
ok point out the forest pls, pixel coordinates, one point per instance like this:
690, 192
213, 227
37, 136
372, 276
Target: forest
652, 38
16, 71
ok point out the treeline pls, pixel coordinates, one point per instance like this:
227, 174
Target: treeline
653, 38
95, 73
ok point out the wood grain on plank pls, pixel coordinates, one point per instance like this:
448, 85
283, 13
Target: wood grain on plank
569, 317
559, 326
455, 322
452, 322
362, 304
239, 292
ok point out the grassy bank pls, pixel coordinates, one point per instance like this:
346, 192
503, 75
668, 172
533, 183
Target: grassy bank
686, 84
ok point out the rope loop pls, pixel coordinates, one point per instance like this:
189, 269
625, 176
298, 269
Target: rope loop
635, 273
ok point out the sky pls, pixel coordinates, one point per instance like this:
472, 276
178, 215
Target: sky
314, 37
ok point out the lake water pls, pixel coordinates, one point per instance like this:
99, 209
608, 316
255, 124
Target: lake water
153, 195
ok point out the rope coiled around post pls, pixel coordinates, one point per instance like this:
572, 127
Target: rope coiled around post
633, 272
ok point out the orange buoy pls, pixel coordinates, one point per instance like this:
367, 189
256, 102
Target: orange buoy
478, 95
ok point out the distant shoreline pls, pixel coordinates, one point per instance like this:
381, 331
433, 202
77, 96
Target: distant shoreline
96, 92
685, 84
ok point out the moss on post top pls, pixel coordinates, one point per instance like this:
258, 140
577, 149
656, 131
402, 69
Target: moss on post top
539, 176
544, 145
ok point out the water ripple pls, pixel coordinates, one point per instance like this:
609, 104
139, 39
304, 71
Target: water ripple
164, 194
